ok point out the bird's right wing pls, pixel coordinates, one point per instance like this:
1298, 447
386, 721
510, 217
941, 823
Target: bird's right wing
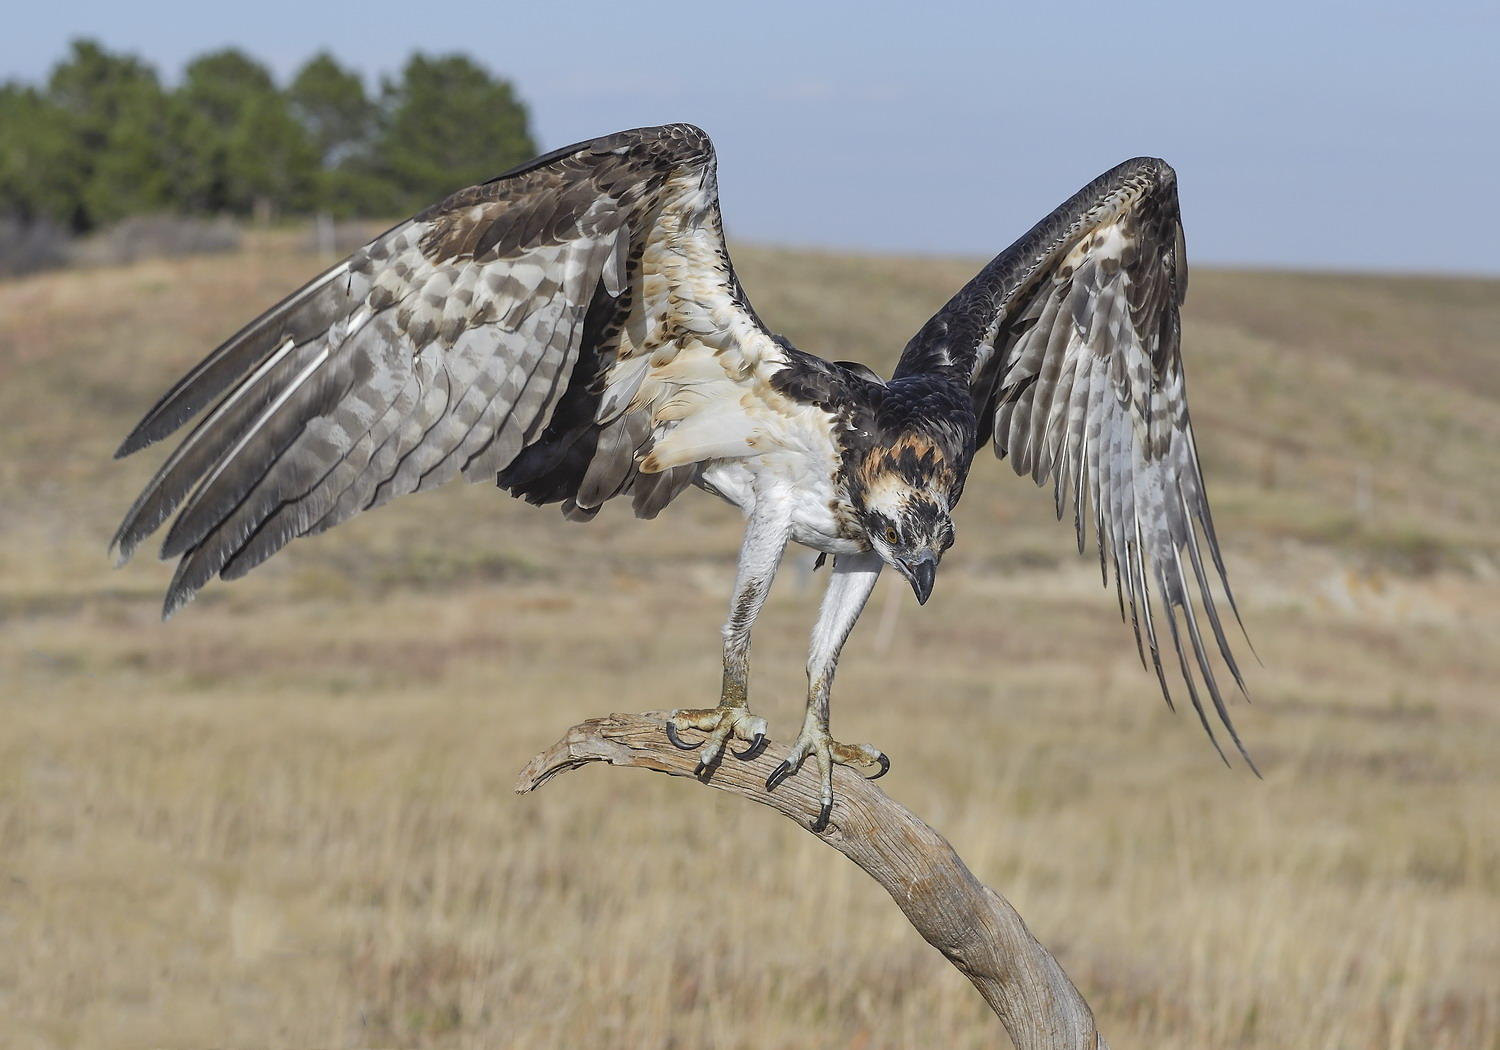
550, 328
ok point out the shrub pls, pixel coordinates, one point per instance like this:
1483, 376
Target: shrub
26, 247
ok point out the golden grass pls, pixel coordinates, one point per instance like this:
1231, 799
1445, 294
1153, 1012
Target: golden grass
285, 818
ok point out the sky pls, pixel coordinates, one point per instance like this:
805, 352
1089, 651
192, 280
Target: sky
1318, 135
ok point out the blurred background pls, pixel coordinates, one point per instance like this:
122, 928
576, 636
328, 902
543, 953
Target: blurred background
284, 818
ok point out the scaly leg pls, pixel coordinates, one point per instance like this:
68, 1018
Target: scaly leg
765, 539
854, 578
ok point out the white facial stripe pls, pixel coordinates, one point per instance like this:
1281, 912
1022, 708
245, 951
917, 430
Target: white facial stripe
888, 496
891, 496
892, 499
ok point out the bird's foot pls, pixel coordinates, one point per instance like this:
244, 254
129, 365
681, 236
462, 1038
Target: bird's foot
870, 762
722, 724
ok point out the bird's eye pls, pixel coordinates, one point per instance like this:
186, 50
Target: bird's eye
890, 535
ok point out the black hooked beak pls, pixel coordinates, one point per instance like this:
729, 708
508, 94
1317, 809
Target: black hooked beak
921, 571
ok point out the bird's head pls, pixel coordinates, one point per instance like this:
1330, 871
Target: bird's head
911, 536
904, 507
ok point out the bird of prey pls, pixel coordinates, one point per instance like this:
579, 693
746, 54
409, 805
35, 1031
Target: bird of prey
573, 330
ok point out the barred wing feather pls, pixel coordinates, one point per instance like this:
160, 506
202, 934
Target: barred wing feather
525, 330
1071, 339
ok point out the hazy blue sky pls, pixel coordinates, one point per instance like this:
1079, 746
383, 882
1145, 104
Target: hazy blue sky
1349, 135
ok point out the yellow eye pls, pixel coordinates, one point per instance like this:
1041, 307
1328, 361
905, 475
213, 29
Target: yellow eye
890, 535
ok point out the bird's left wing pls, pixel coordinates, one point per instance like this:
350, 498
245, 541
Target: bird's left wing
1071, 342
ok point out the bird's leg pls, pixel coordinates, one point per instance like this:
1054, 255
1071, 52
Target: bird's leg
853, 579
765, 539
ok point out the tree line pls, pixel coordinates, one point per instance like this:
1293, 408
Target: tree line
105, 138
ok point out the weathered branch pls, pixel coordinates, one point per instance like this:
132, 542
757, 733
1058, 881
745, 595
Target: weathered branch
973, 926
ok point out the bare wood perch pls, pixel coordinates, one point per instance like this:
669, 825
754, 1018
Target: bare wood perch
973, 926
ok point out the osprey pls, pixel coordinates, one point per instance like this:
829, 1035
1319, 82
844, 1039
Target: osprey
573, 329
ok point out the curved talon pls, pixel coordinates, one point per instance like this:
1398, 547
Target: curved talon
677, 740
779, 774
753, 751
821, 824
885, 766
704, 771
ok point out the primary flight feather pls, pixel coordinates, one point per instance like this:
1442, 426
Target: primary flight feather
574, 330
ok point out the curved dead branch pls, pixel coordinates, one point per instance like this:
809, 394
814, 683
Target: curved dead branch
973, 926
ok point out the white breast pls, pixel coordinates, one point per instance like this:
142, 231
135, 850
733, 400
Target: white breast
799, 485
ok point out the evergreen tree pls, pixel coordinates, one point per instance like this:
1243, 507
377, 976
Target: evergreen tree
252, 155
112, 108
221, 85
272, 164
193, 156
41, 176
447, 123
105, 139
330, 102
130, 173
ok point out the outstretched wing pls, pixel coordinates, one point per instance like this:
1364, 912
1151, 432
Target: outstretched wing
548, 329
1071, 341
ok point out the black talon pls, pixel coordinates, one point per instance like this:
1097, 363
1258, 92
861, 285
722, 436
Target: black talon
704, 771
677, 740
752, 752
779, 774
821, 824
885, 766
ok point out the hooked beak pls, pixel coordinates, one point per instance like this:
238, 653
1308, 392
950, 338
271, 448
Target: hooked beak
920, 572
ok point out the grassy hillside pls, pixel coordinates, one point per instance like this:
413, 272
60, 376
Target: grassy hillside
285, 817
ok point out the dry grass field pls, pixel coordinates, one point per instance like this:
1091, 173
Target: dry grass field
285, 818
